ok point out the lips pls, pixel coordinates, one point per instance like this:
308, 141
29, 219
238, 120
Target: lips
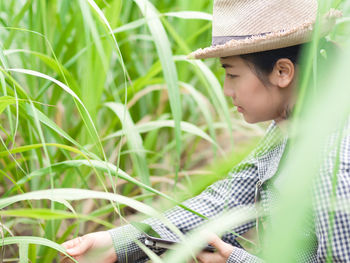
239, 108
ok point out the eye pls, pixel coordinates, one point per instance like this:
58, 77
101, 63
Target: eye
231, 76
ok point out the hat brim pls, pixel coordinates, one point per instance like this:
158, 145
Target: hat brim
295, 36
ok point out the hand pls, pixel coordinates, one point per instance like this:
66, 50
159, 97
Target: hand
223, 251
96, 247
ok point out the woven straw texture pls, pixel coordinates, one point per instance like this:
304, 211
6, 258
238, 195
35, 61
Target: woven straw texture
283, 23
247, 17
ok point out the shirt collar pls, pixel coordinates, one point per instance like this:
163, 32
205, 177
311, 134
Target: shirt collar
269, 151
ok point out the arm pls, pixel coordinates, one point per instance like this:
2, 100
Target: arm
237, 189
332, 221
239, 255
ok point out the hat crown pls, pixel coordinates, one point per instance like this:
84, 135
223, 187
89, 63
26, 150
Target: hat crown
253, 17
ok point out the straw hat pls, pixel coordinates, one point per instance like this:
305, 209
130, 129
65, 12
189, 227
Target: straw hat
248, 26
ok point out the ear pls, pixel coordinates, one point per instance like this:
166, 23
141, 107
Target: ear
283, 73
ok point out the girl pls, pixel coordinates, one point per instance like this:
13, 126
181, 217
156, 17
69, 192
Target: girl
259, 44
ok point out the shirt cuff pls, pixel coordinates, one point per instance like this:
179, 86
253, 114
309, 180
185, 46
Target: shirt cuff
124, 244
239, 255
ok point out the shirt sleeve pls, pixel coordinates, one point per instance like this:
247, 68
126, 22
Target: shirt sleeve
332, 216
239, 255
237, 189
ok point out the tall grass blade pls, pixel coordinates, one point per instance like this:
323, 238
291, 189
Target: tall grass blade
154, 125
23, 253
26, 240
169, 70
134, 141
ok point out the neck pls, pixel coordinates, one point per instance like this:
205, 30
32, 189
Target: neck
283, 124
283, 121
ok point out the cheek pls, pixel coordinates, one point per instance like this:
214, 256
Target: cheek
258, 101
254, 94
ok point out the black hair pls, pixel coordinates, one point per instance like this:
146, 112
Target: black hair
264, 62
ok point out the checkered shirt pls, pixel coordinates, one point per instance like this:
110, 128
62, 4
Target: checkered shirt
238, 189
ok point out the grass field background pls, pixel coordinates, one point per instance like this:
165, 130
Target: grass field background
98, 98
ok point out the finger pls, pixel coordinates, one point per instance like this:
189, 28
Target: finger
71, 243
196, 259
200, 257
81, 247
214, 240
222, 247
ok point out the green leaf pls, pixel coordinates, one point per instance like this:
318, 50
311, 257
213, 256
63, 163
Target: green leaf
215, 91
3, 59
64, 194
154, 125
169, 70
6, 101
26, 240
25, 148
134, 141
180, 14
49, 214
102, 166
54, 64
90, 123
32, 111
23, 252
191, 15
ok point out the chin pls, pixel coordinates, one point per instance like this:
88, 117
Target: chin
255, 120
250, 120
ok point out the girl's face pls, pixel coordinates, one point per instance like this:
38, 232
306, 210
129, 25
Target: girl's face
253, 99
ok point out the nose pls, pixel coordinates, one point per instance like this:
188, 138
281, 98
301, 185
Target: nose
228, 91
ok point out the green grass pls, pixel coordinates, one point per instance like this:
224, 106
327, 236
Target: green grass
97, 97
